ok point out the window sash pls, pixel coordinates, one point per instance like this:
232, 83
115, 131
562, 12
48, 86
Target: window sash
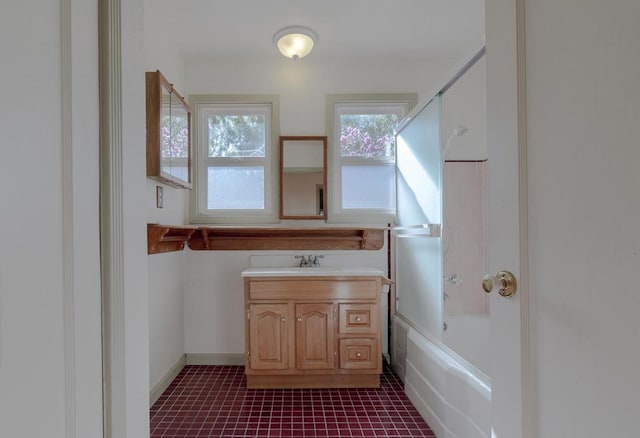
400, 106
207, 106
222, 110
207, 161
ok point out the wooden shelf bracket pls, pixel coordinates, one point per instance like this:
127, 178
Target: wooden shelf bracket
167, 238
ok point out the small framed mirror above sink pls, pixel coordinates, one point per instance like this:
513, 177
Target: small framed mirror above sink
303, 177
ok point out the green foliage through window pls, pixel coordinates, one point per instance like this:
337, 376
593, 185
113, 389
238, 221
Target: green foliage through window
237, 136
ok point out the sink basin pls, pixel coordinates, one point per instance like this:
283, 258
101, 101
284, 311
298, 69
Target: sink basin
320, 271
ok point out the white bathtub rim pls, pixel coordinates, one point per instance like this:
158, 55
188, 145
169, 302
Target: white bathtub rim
453, 361
444, 351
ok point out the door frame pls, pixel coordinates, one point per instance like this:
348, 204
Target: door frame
506, 106
512, 20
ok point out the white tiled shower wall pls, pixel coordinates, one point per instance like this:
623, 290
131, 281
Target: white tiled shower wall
464, 238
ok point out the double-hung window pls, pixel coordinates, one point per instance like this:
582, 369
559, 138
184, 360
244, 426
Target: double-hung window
362, 150
234, 143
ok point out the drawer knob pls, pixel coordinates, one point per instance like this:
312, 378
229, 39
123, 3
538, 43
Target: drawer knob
358, 319
284, 319
299, 318
358, 354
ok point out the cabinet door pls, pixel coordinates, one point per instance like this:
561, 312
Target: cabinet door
315, 336
268, 336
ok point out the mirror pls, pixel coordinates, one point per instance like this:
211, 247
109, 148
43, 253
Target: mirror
303, 177
168, 133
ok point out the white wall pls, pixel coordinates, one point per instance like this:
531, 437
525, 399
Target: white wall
214, 289
465, 105
160, 49
214, 294
135, 304
583, 65
31, 276
166, 313
50, 351
166, 272
303, 85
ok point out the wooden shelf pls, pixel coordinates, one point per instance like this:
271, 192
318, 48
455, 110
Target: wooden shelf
205, 238
167, 238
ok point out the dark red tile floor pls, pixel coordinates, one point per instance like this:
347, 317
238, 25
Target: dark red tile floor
213, 401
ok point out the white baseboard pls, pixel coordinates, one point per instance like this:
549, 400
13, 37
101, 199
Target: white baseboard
164, 383
214, 359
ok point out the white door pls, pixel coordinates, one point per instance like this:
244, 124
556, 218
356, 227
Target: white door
507, 222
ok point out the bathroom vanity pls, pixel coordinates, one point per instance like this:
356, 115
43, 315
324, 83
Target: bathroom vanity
312, 327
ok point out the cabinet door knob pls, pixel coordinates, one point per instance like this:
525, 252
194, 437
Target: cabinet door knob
299, 318
284, 319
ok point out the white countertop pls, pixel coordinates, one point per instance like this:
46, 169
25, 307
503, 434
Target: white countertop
320, 271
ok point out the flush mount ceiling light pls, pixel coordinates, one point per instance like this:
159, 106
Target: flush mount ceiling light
295, 42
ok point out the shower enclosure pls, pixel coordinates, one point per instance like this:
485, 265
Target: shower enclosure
440, 331
441, 240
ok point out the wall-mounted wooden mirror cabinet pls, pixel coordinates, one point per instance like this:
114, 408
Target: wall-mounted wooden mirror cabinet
168, 133
303, 177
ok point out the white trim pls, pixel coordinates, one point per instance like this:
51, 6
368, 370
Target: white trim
112, 220
214, 359
160, 387
507, 124
529, 427
71, 425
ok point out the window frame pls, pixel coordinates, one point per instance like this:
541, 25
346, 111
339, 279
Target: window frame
353, 101
198, 211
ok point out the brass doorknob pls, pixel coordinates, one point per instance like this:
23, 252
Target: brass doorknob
504, 281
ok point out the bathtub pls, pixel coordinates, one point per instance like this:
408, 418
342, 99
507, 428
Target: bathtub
454, 398
468, 335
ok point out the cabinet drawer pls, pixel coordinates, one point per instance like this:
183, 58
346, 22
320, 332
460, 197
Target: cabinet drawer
359, 354
312, 289
358, 318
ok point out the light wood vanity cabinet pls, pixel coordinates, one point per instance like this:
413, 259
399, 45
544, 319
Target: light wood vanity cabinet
311, 332
315, 336
268, 336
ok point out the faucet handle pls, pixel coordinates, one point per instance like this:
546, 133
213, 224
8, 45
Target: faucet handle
316, 262
303, 261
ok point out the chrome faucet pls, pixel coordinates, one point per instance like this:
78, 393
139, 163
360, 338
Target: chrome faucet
315, 261
310, 260
303, 261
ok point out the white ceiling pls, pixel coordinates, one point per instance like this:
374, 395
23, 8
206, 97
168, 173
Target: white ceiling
346, 28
